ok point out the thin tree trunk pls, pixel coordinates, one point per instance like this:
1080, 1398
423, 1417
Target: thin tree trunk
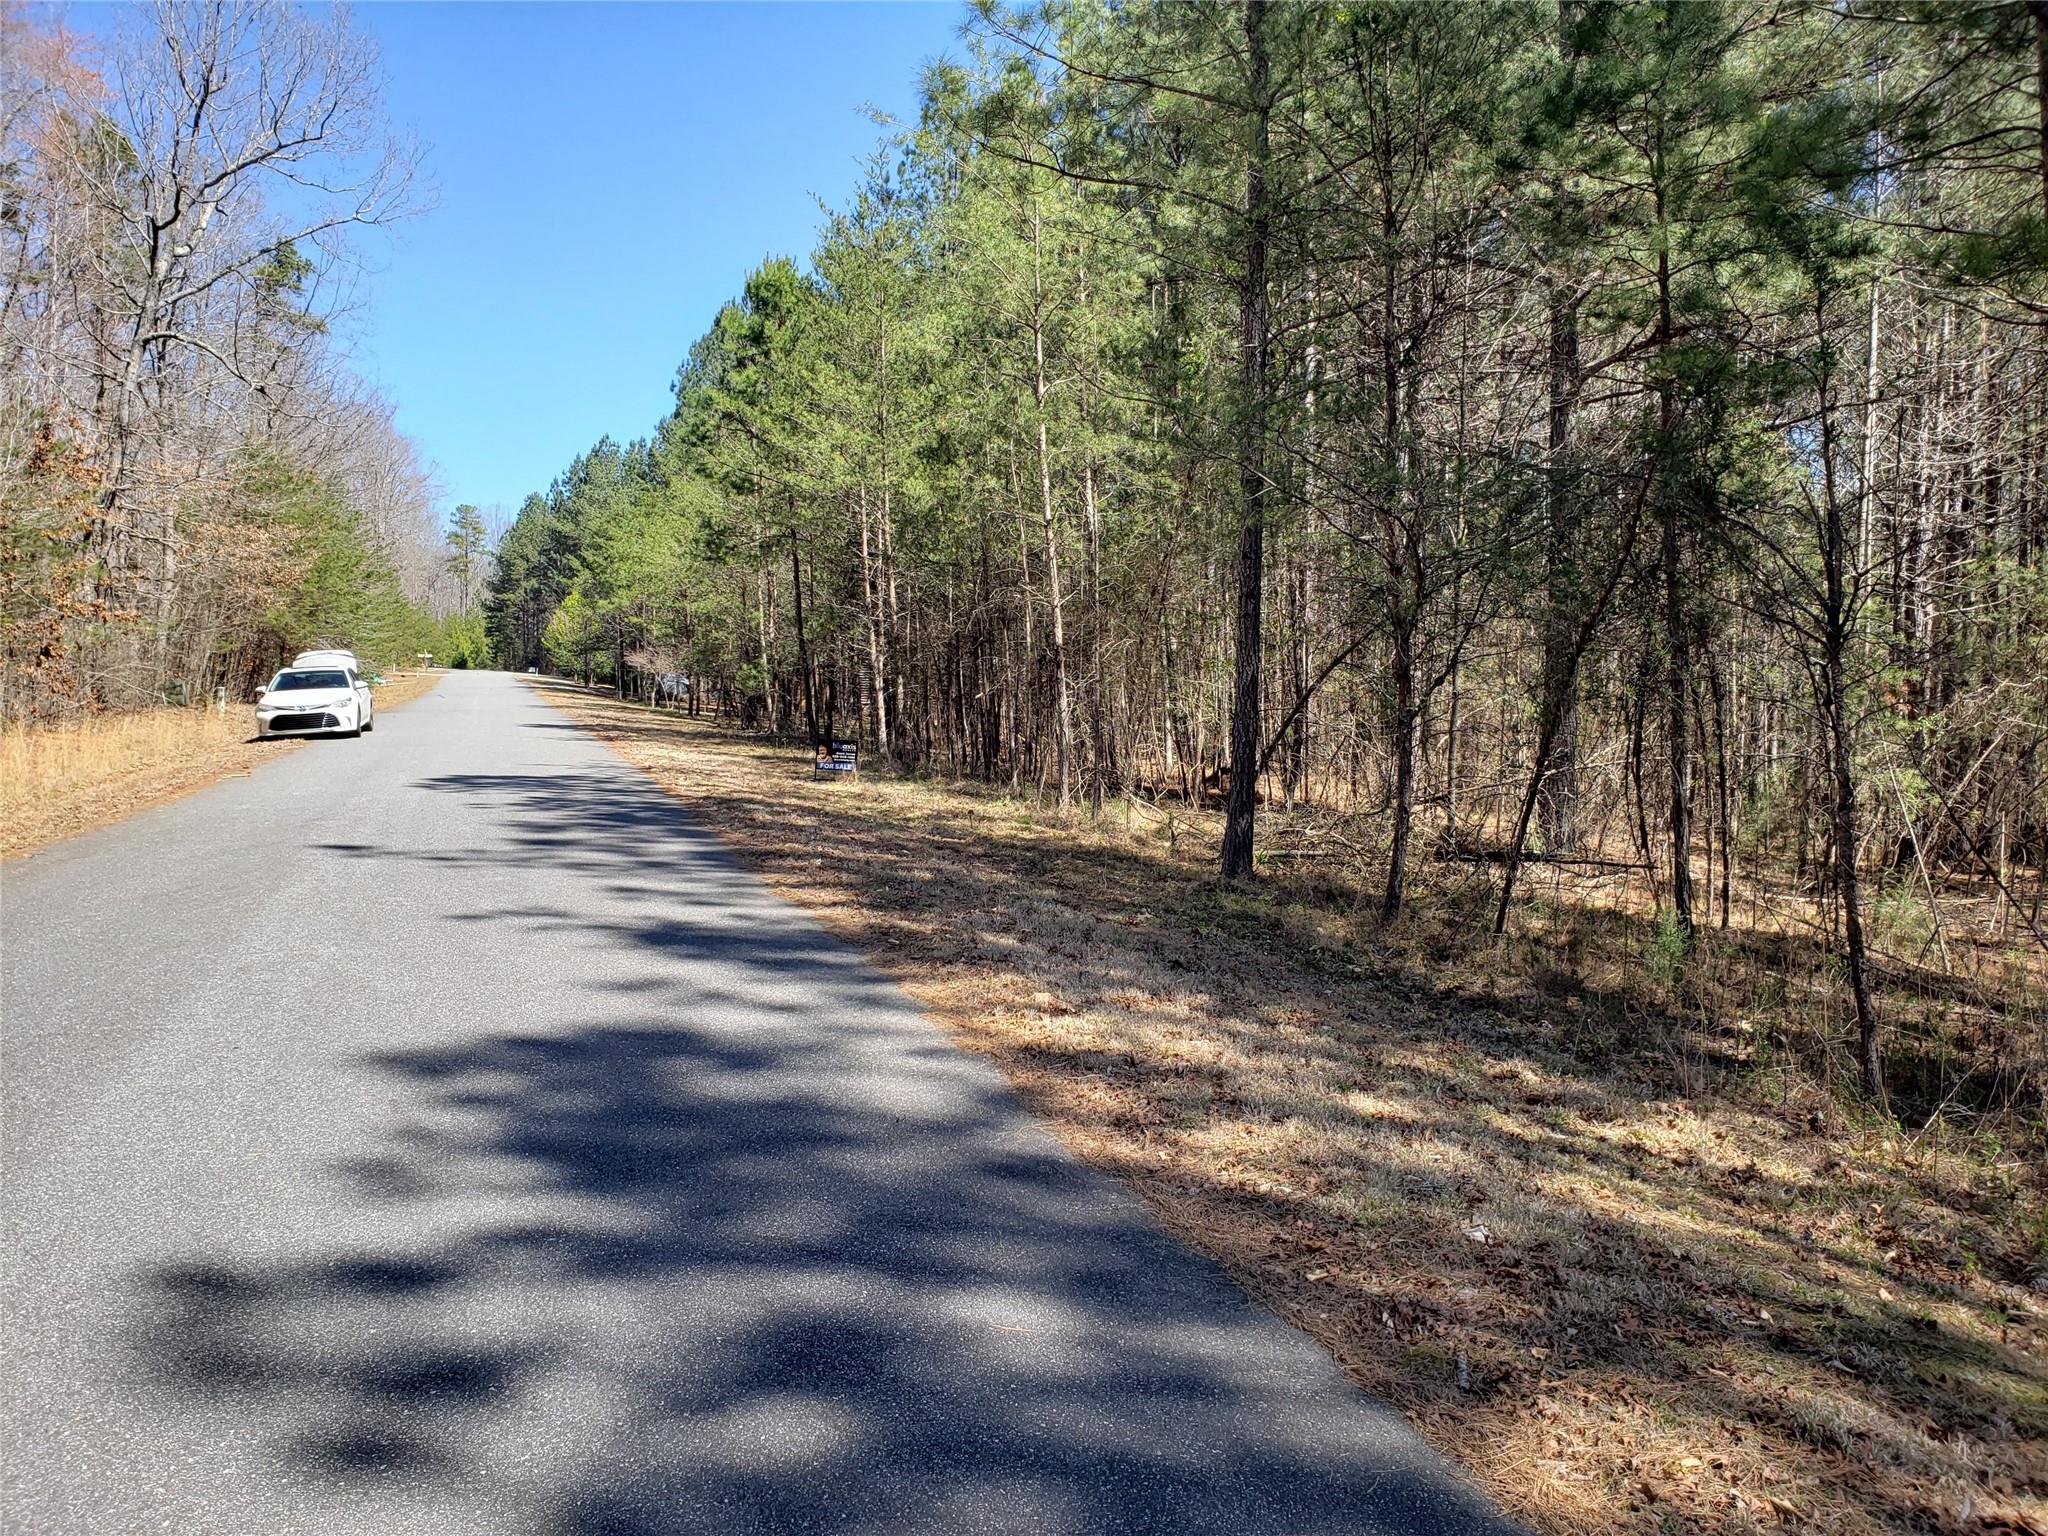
1677, 638
767, 636
1402, 668
1559, 804
1241, 809
1099, 748
1063, 704
1869, 1060
1836, 621
1294, 761
1724, 828
871, 603
803, 648
1866, 489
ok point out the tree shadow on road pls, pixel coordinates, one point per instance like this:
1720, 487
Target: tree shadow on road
751, 1249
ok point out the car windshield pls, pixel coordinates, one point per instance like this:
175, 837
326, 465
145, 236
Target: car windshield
294, 682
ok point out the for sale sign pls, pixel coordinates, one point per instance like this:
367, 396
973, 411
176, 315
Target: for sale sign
840, 757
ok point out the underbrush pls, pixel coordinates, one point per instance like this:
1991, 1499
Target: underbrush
1602, 1218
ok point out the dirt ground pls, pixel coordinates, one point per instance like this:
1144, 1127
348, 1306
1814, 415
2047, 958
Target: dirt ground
1630, 1290
57, 783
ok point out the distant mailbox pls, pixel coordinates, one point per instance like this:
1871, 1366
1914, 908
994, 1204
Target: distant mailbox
840, 757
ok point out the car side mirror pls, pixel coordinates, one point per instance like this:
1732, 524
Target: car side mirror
261, 691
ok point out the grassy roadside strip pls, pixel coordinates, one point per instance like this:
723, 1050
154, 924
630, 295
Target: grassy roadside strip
1624, 1307
56, 783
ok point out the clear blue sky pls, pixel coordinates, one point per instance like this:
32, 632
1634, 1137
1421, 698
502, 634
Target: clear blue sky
607, 175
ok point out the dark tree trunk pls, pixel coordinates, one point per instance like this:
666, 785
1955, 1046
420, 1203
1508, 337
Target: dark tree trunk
1294, 759
1241, 809
1677, 639
1402, 665
1837, 619
1724, 817
803, 647
1558, 716
1848, 882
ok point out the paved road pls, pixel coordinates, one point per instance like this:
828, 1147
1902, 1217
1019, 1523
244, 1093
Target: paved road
436, 1133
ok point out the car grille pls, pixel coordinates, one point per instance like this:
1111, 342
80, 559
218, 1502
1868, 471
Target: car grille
303, 722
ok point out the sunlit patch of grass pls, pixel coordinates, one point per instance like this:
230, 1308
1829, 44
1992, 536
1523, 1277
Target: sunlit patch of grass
43, 760
55, 780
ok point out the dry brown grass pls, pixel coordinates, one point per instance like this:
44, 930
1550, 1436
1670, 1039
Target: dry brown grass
57, 782
1634, 1284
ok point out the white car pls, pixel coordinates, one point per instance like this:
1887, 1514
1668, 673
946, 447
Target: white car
329, 659
313, 701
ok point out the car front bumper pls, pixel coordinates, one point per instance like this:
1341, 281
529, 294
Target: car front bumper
306, 722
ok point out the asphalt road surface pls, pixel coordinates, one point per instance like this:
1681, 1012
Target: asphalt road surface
436, 1133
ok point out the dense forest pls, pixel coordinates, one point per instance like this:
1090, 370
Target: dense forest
1614, 435
192, 483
